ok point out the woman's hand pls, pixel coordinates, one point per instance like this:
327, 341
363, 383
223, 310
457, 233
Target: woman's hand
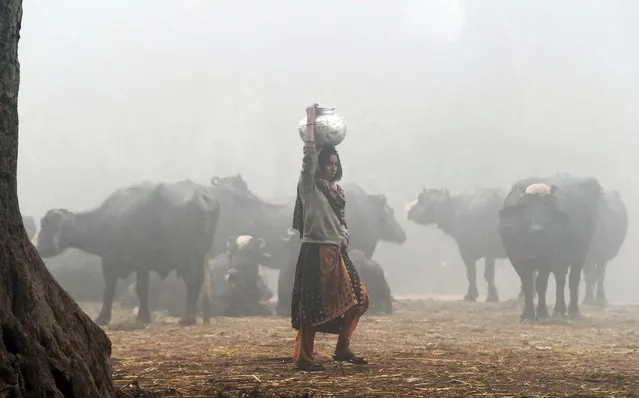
310, 122
310, 114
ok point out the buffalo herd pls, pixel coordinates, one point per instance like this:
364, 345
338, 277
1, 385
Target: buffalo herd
219, 237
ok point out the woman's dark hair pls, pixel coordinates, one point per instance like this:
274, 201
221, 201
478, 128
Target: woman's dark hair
322, 160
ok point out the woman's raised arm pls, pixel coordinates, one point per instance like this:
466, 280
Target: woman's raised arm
308, 161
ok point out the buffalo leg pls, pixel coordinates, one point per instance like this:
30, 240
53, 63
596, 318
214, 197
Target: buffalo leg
193, 281
542, 286
471, 274
489, 274
590, 278
110, 282
573, 285
521, 288
600, 275
526, 275
142, 290
560, 299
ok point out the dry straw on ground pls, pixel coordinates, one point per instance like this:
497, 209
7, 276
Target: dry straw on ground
427, 348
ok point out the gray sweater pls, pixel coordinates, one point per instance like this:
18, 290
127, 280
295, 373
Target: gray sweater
321, 224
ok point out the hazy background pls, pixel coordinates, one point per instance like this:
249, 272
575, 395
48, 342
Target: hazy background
445, 93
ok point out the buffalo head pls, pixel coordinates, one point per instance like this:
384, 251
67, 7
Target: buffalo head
535, 210
390, 229
246, 250
51, 239
243, 278
427, 206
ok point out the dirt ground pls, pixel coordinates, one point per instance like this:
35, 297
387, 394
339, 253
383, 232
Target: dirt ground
428, 348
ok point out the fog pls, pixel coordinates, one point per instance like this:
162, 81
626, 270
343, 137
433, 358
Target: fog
436, 94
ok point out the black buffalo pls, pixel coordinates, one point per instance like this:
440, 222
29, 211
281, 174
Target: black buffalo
370, 220
612, 226
245, 287
472, 220
546, 225
141, 228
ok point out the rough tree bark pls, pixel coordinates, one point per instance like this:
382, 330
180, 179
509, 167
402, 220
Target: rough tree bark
48, 346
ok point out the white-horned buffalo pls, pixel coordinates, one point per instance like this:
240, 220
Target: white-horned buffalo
243, 286
546, 225
472, 220
612, 226
141, 228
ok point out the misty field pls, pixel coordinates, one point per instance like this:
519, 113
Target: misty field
433, 348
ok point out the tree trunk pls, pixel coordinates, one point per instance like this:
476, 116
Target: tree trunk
48, 346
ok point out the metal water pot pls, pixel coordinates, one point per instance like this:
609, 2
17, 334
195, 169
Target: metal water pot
330, 128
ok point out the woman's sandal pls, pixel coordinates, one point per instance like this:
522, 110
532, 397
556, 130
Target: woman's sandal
351, 358
315, 367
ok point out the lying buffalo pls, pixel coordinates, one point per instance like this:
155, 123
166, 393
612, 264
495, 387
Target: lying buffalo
372, 274
472, 220
369, 218
236, 284
546, 225
245, 287
141, 228
612, 226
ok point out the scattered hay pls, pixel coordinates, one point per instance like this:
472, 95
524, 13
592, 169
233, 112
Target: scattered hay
427, 348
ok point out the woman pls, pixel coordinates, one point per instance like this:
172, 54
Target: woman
328, 295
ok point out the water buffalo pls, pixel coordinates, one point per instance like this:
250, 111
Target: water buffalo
141, 228
369, 218
244, 286
546, 225
472, 220
612, 226
373, 277
236, 284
